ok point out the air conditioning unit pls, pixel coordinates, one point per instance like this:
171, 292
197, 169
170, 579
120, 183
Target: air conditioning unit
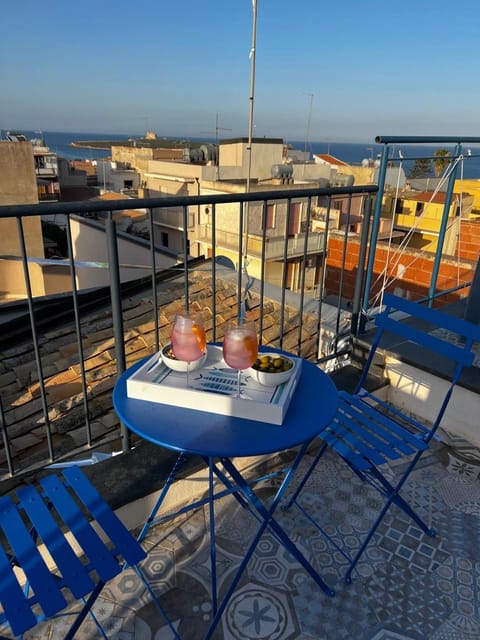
329, 334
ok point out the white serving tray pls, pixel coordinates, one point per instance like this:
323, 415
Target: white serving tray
212, 388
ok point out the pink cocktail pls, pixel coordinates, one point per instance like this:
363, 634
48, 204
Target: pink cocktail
240, 346
188, 339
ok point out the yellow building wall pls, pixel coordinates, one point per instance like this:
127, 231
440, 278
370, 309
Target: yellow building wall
472, 187
428, 219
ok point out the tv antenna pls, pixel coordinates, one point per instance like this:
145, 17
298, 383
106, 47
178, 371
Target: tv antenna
217, 129
307, 135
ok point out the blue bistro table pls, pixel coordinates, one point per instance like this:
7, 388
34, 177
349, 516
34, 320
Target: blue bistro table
218, 439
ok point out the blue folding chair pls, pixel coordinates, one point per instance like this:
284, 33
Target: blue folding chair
367, 432
42, 519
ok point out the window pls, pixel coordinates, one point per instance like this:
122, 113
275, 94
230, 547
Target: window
270, 217
128, 184
164, 238
294, 219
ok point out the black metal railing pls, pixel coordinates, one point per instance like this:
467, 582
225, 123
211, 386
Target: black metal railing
25, 320
335, 319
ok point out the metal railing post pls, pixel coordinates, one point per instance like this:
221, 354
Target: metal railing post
117, 316
443, 227
376, 223
358, 320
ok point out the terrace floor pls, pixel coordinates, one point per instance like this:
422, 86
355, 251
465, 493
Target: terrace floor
408, 585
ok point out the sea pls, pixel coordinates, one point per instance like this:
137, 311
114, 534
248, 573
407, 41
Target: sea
352, 153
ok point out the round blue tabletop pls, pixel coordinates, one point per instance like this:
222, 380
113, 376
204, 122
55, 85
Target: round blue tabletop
311, 409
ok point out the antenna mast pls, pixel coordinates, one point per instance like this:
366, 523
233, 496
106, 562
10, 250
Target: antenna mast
307, 135
250, 115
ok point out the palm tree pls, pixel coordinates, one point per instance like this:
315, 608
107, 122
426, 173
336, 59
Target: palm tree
441, 162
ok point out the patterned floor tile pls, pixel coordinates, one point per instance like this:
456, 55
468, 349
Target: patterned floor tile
464, 467
405, 601
400, 538
406, 586
460, 495
259, 611
460, 533
342, 617
459, 580
457, 627
386, 634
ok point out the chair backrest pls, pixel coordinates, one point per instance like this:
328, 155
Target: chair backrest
43, 515
431, 329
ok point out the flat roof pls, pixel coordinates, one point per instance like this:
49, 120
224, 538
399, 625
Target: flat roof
255, 140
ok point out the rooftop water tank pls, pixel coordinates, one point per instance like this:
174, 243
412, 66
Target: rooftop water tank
282, 170
342, 180
204, 153
323, 183
209, 152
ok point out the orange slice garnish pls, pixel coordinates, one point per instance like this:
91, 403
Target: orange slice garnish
199, 333
251, 345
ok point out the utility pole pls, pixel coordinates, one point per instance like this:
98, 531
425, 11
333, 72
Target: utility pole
250, 117
307, 135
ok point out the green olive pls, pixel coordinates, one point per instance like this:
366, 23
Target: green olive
272, 364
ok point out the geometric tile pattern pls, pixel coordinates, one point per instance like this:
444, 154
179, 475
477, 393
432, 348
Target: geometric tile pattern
401, 538
459, 580
406, 586
406, 601
460, 534
457, 628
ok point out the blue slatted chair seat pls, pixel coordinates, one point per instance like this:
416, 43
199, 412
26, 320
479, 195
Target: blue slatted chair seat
41, 516
363, 435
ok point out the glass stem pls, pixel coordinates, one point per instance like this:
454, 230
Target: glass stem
239, 373
188, 374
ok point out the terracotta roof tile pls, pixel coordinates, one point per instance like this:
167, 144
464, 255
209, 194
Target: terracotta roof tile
326, 157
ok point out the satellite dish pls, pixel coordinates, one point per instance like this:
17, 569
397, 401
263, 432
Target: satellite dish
225, 262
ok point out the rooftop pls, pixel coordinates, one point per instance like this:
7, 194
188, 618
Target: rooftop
326, 157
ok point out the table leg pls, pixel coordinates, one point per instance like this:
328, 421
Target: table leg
171, 477
267, 520
213, 549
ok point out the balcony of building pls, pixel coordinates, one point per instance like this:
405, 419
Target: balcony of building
62, 353
270, 249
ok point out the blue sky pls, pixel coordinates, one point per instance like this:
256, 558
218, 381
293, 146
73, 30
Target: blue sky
352, 69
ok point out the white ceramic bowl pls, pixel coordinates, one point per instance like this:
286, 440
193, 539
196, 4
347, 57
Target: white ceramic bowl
180, 365
268, 378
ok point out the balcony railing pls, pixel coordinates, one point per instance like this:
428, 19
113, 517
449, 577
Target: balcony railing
271, 248
42, 398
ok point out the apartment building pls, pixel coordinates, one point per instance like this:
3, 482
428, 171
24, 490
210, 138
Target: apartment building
18, 185
267, 166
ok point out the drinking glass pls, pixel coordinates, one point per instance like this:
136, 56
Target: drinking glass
188, 339
240, 346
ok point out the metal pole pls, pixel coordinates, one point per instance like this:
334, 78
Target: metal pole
376, 223
117, 317
307, 135
443, 227
250, 117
